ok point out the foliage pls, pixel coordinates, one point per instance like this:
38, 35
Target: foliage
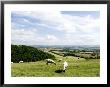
28, 54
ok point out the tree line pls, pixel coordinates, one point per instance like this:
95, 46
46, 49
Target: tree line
92, 55
28, 54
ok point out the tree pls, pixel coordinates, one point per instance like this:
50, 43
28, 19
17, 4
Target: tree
28, 54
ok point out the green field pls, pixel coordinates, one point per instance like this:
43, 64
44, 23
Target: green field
76, 68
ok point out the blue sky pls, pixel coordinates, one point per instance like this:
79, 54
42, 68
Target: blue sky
55, 28
94, 14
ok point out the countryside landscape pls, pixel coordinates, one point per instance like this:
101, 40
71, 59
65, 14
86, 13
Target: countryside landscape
82, 61
55, 44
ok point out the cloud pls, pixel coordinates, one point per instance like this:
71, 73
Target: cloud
48, 40
23, 36
86, 39
85, 24
53, 27
51, 38
30, 37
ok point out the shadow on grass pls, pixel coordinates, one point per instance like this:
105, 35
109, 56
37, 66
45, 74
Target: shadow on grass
59, 71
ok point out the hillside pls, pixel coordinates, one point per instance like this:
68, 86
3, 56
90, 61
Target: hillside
28, 54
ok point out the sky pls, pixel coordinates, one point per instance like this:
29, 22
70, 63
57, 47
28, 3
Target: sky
55, 27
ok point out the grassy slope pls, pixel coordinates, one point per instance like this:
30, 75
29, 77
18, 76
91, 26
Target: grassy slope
77, 68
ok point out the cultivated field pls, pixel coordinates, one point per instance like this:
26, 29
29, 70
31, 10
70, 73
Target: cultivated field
76, 68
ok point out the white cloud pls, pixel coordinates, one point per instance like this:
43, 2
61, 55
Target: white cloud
63, 22
85, 24
23, 36
51, 38
75, 29
30, 37
86, 39
25, 20
48, 40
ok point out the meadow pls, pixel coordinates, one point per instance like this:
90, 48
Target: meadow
76, 68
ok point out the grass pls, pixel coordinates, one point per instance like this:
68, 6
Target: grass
76, 68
